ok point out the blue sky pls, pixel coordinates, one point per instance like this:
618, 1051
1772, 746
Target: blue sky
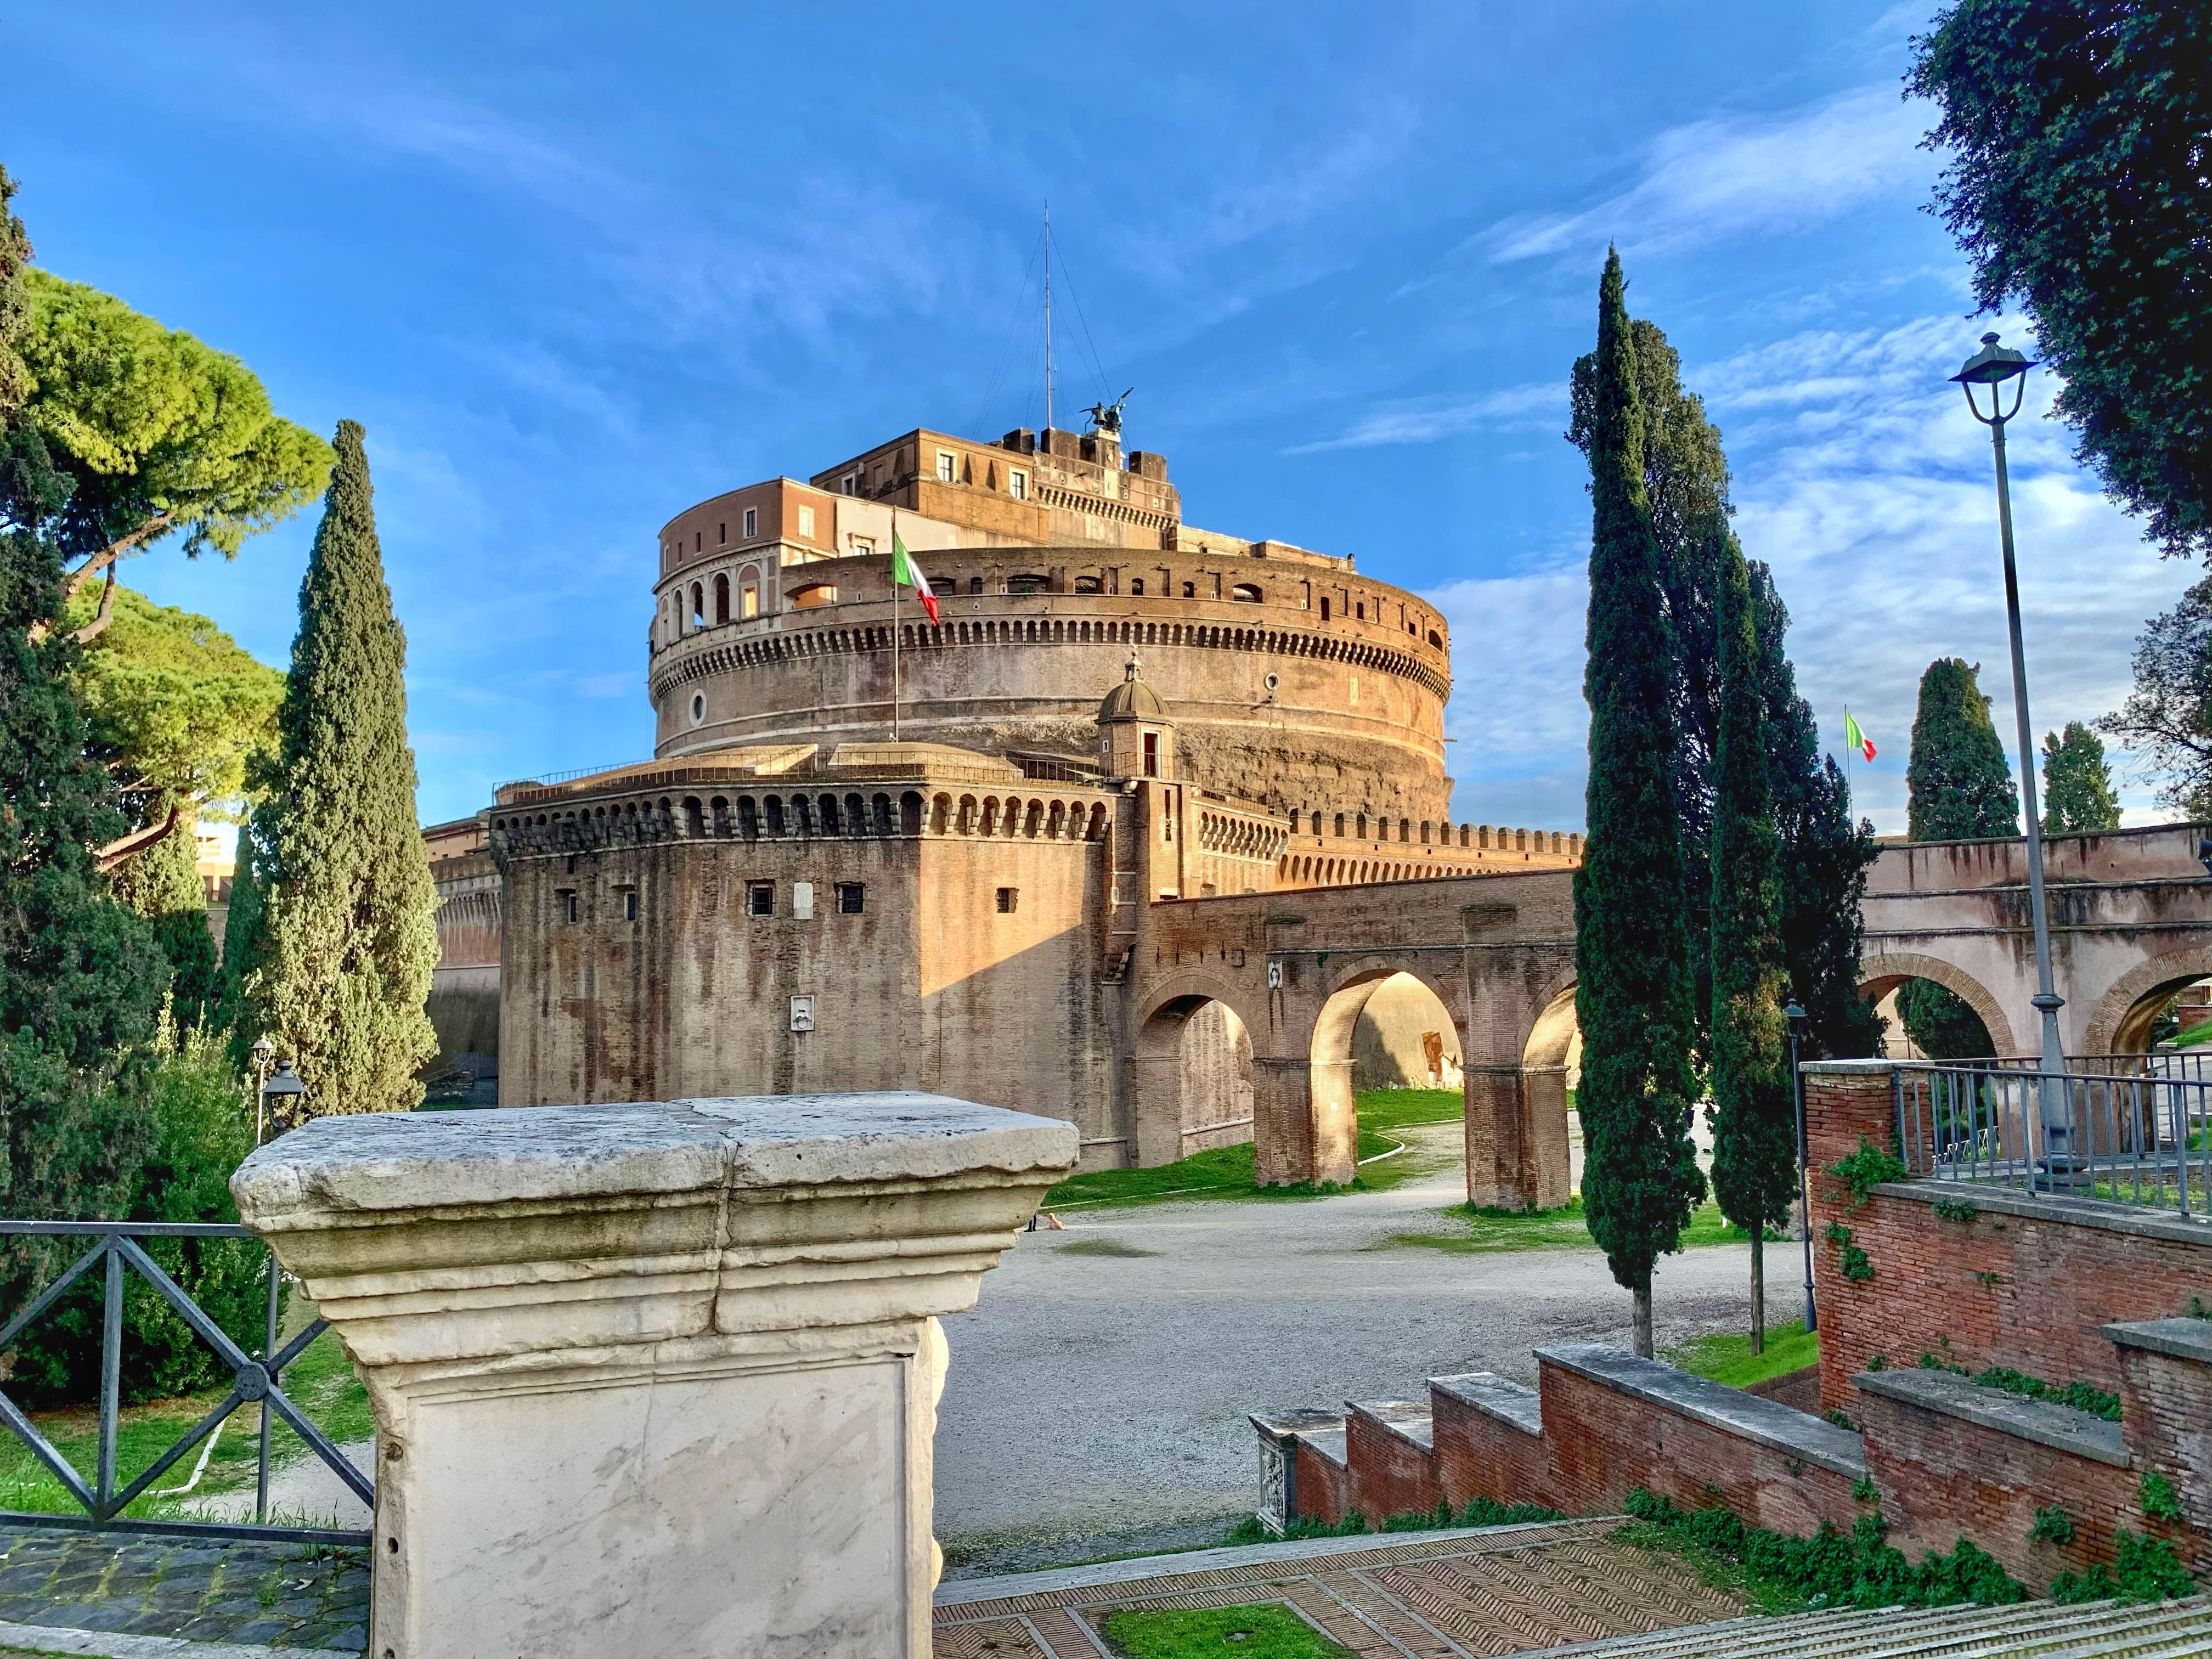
576, 266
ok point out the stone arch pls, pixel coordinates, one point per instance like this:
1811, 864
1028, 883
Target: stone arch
1190, 1071
1327, 1131
2121, 1022
1880, 975
1549, 1059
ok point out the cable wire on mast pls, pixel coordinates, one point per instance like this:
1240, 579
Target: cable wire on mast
1047, 315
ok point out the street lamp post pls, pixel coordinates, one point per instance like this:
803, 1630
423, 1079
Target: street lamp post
1996, 367
1795, 1015
284, 1086
264, 1051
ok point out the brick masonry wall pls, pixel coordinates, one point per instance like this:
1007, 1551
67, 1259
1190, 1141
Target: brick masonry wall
1604, 1443
1387, 1475
1321, 1493
2026, 1292
1942, 1477
2165, 1403
1479, 1455
2023, 1291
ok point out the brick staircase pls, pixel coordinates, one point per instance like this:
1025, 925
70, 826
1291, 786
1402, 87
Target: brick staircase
2100, 1630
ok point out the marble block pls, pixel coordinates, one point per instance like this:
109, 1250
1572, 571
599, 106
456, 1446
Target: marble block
656, 1379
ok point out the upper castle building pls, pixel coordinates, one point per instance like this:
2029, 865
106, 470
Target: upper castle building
1115, 711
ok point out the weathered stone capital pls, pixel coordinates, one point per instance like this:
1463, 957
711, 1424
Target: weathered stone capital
653, 1379
546, 1230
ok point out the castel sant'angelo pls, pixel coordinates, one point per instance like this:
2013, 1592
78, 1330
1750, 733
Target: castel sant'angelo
811, 887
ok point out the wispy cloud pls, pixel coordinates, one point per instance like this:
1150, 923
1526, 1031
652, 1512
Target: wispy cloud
1426, 420
1861, 481
1732, 176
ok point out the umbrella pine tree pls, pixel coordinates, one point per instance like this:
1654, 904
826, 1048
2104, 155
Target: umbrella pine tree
1632, 992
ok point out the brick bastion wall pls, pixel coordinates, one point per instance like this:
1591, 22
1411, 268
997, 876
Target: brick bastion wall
2061, 1290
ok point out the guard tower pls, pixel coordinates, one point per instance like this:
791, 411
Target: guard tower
1136, 739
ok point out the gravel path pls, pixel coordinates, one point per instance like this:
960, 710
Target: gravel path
1096, 1395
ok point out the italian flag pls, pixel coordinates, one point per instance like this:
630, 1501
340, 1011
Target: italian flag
1852, 734
907, 573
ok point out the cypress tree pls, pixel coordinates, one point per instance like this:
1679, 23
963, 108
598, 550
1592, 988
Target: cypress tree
349, 909
1958, 785
1632, 995
1824, 856
1754, 1119
244, 948
2077, 784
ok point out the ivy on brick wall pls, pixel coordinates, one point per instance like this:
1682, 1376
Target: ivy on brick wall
1866, 1168
1851, 1261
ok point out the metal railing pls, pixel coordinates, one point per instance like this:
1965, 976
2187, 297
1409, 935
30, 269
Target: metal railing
2141, 1135
254, 1380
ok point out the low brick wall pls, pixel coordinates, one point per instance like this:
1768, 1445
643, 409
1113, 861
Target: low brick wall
1489, 1440
1324, 1490
2165, 1403
1389, 1468
2028, 1282
1943, 1477
1604, 1441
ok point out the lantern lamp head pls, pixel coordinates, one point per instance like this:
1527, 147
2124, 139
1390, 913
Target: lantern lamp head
1993, 366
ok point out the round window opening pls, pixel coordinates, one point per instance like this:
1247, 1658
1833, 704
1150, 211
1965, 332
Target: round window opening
698, 707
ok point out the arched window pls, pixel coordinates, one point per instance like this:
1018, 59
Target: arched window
1036, 818
748, 818
775, 815
1137, 588
856, 816
1097, 822
1363, 826
698, 607
1028, 584
1190, 589
694, 820
1436, 640
721, 600
1245, 593
1089, 584
1406, 830
940, 813
720, 808
829, 824
967, 815
882, 806
1425, 832
1340, 826
990, 824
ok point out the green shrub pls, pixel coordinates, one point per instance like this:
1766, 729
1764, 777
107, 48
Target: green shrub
2147, 1571
1836, 1569
2159, 1500
201, 1130
2053, 1526
1955, 1209
1866, 1168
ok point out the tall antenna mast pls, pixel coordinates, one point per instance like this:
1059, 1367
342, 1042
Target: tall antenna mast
1047, 315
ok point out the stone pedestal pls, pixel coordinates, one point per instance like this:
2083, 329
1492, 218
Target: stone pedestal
656, 1379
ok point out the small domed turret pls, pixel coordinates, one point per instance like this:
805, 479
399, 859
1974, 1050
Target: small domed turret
1132, 700
1136, 740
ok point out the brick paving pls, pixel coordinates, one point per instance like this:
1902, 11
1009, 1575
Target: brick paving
1461, 1594
289, 1595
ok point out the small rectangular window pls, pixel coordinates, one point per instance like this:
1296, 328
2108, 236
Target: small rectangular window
722, 532
850, 484
863, 546
802, 900
1151, 754
760, 898
1009, 897
1017, 483
752, 522
570, 911
851, 897
750, 604
807, 521
947, 462
1324, 609
629, 904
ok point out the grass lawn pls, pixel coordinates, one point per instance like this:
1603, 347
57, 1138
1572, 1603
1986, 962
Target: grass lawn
1250, 1633
321, 1382
1226, 1172
1729, 1359
1481, 1232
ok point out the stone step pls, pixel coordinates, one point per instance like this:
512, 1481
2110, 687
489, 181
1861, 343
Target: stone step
2033, 1630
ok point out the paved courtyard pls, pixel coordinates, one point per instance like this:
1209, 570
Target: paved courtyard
1455, 1595
1098, 1391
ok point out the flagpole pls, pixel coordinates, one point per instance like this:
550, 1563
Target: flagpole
1848, 807
894, 626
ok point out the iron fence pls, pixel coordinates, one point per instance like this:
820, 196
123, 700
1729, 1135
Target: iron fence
2141, 1135
254, 1380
